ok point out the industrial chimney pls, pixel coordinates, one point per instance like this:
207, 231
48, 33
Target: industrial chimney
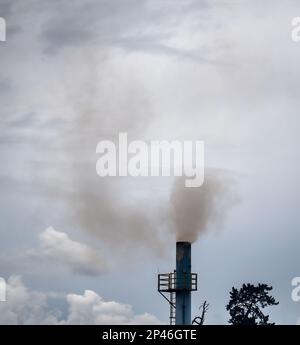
179, 285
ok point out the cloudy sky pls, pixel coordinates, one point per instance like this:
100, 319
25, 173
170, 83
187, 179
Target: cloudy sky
77, 248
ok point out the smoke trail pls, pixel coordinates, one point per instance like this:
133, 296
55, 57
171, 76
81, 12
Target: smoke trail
195, 210
104, 207
101, 107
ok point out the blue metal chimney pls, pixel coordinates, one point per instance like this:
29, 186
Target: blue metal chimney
183, 283
179, 284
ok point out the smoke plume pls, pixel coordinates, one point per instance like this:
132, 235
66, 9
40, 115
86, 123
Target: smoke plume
195, 210
107, 208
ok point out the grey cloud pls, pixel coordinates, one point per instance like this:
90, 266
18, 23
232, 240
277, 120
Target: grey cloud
21, 121
5, 85
132, 25
83, 23
6, 7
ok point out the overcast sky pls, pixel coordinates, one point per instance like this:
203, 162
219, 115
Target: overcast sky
77, 248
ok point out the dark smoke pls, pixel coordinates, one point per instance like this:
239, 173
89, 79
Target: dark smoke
101, 107
196, 210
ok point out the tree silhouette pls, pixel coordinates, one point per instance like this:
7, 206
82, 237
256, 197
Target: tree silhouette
245, 305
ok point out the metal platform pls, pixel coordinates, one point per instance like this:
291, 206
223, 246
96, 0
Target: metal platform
171, 282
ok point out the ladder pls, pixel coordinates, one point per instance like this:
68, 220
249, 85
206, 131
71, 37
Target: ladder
172, 308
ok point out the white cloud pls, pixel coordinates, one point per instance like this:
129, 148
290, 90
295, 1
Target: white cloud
90, 308
55, 250
25, 306
60, 247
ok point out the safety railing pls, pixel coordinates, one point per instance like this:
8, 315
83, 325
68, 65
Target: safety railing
168, 282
